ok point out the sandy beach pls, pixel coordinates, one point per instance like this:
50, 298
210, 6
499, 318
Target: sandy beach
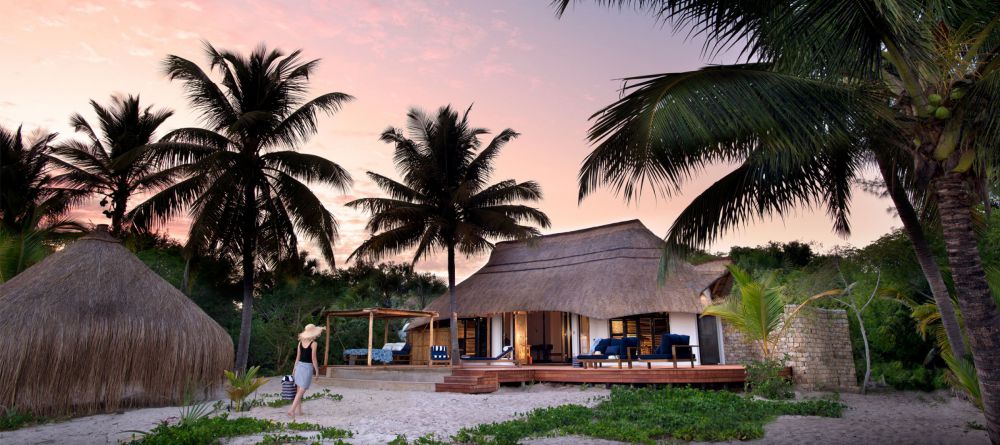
376, 417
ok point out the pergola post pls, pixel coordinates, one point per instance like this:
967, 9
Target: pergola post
371, 321
326, 345
385, 333
430, 343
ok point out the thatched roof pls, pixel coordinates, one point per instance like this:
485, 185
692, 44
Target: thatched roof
601, 272
92, 329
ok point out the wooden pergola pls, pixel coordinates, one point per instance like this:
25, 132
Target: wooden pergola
372, 314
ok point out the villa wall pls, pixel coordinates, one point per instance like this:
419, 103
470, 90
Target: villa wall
818, 344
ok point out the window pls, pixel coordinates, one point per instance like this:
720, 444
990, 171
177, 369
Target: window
472, 336
647, 327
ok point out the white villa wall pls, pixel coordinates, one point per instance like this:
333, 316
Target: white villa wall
598, 329
574, 335
686, 324
496, 334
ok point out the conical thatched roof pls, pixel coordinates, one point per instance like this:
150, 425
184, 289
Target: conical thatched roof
601, 272
92, 329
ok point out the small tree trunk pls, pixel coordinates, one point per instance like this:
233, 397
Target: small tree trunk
186, 278
868, 355
453, 307
979, 310
915, 231
249, 250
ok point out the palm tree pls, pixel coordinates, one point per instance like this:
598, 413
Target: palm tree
925, 104
33, 201
444, 201
245, 183
117, 165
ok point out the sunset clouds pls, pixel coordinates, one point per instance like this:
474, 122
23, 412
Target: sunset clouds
521, 66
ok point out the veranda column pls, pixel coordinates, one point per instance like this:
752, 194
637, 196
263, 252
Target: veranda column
430, 343
371, 321
326, 345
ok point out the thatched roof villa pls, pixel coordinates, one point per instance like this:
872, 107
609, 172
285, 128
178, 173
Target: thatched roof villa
550, 296
92, 329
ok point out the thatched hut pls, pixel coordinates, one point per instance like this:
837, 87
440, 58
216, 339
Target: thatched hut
550, 296
91, 329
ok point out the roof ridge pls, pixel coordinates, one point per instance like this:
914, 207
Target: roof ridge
576, 231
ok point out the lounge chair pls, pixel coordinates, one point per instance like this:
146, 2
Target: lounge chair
505, 355
614, 350
439, 355
402, 355
673, 347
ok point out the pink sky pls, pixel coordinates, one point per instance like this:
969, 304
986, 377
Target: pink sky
521, 66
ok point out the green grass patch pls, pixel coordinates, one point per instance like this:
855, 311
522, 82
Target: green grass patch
648, 415
12, 419
211, 430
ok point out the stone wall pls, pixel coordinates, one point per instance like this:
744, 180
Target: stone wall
818, 345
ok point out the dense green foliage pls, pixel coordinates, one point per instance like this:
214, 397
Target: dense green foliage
211, 430
648, 415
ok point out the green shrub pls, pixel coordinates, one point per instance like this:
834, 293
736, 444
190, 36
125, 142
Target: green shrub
764, 379
650, 415
898, 376
12, 419
241, 385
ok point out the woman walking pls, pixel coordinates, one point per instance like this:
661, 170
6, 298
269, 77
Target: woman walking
305, 365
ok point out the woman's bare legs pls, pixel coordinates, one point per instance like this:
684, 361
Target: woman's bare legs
297, 403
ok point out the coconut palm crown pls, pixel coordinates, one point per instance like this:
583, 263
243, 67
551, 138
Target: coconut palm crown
445, 201
912, 84
116, 163
33, 201
245, 184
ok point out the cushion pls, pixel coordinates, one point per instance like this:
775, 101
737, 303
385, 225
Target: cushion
602, 345
656, 356
616, 347
678, 339
388, 346
664, 347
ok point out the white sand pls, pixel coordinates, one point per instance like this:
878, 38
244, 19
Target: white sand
377, 416
374, 416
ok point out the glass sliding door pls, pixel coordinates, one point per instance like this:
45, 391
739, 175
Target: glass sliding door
472, 336
647, 327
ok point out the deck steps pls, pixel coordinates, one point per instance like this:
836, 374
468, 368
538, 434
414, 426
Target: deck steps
469, 384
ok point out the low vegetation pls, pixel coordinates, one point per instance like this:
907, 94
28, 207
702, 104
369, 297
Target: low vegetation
649, 415
274, 400
211, 430
12, 419
764, 379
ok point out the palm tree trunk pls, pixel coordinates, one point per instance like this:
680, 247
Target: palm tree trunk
922, 249
249, 247
452, 306
979, 311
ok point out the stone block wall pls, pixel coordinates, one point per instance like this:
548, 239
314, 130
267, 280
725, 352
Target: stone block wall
818, 345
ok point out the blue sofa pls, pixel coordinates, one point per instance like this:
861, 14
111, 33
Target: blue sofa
673, 348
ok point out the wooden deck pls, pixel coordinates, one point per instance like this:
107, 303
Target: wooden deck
479, 379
